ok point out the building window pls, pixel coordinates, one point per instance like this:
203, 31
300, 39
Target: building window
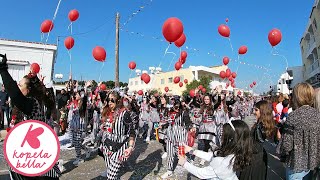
136, 83
162, 81
170, 80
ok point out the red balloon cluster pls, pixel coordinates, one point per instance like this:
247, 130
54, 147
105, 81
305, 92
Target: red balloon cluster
166, 89
172, 29
145, 78
181, 61
35, 68
69, 42
274, 37
243, 50
46, 26
132, 65
224, 30
99, 53
73, 15
253, 84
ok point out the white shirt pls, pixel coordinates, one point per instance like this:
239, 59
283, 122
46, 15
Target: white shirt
219, 168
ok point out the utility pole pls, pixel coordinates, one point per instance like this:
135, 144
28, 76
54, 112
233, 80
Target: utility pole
117, 52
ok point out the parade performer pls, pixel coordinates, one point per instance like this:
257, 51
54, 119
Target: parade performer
179, 122
78, 125
28, 101
163, 125
208, 130
118, 137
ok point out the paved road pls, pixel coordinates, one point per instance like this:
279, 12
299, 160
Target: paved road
145, 163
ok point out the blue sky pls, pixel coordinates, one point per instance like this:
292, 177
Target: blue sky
249, 21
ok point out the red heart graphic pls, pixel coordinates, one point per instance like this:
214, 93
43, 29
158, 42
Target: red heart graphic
32, 137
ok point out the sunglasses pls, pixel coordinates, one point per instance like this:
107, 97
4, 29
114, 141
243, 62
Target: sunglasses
111, 100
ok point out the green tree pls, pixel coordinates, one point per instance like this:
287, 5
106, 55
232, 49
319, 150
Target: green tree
204, 81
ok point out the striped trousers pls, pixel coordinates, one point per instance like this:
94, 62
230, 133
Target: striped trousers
176, 135
114, 161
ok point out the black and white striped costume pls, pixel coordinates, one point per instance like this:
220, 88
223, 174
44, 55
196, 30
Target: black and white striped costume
77, 127
117, 130
220, 118
176, 135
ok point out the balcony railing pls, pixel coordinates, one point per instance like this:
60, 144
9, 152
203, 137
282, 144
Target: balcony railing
313, 67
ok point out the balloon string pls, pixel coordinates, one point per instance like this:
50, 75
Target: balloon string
54, 17
70, 27
277, 54
101, 71
172, 59
69, 52
230, 44
165, 52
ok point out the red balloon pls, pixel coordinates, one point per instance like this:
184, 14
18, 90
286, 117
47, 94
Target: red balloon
35, 68
225, 60
234, 75
227, 20
140, 92
166, 89
186, 81
142, 76
224, 30
182, 60
172, 29
254, 83
180, 42
178, 65
132, 65
46, 26
103, 87
233, 85
243, 50
200, 87
146, 79
274, 37
232, 81
203, 90
227, 84
230, 78
183, 55
180, 84
73, 15
176, 80
251, 85
99, 53
222, 74
69, 42
228, 72
192, 93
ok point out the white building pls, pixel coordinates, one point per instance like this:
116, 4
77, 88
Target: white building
22, 54
288, 80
